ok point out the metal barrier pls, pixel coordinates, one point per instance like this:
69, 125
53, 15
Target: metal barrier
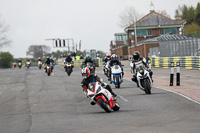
187, 62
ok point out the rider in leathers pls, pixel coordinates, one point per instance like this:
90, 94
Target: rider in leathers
68, 59
106, 59
87, 78
88, 59
139, 61
48, 61
114, 61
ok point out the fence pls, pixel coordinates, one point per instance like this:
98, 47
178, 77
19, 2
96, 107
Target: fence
187, 62
174, 45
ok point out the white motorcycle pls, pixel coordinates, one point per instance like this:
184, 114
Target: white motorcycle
144, 79
28, 64
102, 97
106, 68
116, 76
19, 65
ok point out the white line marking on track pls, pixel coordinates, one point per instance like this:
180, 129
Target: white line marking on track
121, 97
52, 74
175, 93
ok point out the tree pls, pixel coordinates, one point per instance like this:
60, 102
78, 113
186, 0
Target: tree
6, 59
56, 54
78, 53
191, 28
4, 41
178, 12
164, 13
128, 17
197, 14
38, 50
101, 54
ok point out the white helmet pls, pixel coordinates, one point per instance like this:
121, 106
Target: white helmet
114, 56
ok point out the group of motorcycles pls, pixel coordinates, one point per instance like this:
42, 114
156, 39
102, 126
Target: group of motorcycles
27, 64
114, 72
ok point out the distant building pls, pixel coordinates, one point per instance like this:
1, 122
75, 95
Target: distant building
150, 26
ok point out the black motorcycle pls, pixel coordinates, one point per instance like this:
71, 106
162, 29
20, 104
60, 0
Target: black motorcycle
68, 68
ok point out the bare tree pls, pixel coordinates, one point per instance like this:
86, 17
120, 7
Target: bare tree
38, 50
4, 41
178, 12
164, 13
128, 17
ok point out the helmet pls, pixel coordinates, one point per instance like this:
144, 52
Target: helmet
108, 55
87, 57
85, 73
136, 55
114, 57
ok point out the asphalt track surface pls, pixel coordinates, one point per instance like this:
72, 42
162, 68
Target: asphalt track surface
32, 102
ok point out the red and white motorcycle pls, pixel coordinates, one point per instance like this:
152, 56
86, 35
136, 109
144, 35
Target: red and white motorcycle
102, 97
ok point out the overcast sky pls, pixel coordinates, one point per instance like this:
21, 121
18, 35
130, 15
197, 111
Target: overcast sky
93, 21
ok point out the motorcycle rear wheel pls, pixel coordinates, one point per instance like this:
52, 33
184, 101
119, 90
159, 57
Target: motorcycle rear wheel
117, 107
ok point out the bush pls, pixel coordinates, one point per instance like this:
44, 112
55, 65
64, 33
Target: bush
6, 60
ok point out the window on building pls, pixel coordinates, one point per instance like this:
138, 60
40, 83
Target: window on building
170, 30
162, 31
149, 32
141, 33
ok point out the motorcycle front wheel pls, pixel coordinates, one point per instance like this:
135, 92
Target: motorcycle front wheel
147, 87
104, 105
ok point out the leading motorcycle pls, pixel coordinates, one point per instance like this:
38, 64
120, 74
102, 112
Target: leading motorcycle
102, 97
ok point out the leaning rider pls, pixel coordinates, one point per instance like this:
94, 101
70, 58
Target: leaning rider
87, 78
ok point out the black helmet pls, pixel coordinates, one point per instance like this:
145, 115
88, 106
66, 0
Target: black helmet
136, 55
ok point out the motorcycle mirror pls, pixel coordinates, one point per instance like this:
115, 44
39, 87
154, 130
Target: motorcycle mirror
101, 80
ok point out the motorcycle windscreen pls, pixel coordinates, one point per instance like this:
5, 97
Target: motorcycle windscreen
116, 67
140, 69
91, 86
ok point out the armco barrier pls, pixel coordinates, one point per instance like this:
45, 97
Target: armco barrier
187, 62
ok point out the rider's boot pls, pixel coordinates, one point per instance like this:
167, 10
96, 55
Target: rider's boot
92, 102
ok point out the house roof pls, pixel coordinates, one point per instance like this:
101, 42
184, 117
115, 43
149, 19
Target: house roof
165, 37
156, 19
